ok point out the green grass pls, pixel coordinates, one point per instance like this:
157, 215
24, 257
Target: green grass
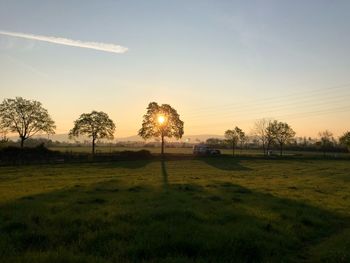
205, 210
108, 149
188, 150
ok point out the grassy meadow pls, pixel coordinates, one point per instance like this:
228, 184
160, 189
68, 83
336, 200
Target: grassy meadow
188, 150
195, 210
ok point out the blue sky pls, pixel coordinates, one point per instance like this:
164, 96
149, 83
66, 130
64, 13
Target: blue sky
219, 63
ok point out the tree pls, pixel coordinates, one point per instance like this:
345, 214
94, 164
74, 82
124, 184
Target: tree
3, 137
25, 117
232, 137
260, 132
271, 131
326, 140
241, 137
345, 140
161, 121
96, 125
281, 132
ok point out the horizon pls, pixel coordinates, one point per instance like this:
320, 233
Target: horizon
219, 64
186, 138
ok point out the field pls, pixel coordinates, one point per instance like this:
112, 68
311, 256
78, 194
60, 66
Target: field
203, 210
111, 149
187, 150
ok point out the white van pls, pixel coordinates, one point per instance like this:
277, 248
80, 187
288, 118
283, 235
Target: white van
201, 149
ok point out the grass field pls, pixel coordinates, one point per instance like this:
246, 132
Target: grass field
187, 150
201, 210
108, 149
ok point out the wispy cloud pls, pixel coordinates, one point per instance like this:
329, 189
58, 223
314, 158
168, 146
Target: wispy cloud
70, 42
26, 66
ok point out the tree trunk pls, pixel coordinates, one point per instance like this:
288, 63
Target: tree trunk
233, 149
93, 146
267, 148
22, 142
264, 149
162, 151
281, 149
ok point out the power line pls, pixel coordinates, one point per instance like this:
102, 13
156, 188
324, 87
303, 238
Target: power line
289, 116
312, 93
307, 102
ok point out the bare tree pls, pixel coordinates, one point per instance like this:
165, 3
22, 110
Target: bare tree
25, 117
326, 140
161, 121
260, 132
96, 125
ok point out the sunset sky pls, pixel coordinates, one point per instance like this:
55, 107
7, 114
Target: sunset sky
219, 63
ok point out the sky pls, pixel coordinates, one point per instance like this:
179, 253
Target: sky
220, 64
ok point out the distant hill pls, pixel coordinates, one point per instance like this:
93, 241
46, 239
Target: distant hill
186, 138
55, 137
135, 138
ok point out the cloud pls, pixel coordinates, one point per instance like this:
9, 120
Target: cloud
27, 66
70, 42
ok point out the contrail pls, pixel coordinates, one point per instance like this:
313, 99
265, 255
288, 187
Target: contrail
70, 42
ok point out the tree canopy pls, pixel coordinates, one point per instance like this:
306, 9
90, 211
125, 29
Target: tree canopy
161, 121
345, 140
95, 125
233, 136
281, 132
326, 140
25, 117
271, 132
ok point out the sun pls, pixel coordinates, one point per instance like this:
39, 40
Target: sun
161, 119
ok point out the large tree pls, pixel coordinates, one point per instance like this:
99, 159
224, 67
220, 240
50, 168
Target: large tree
345, 140
25, 117
281, 132
96, 125
161, 121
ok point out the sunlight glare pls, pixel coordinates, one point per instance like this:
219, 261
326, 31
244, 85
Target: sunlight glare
161, 119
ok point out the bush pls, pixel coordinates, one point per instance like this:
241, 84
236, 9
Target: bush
15, 155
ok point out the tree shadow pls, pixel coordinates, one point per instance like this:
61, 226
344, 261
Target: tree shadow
130, 164
225, 163
129, 221
164, 175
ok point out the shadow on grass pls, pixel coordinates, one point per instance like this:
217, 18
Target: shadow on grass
164, 175
120, 221
225, 163
129, 164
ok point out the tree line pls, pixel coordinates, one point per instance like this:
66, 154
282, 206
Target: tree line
271, 133
29, 117
266, 131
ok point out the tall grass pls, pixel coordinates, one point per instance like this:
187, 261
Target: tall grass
205, 210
